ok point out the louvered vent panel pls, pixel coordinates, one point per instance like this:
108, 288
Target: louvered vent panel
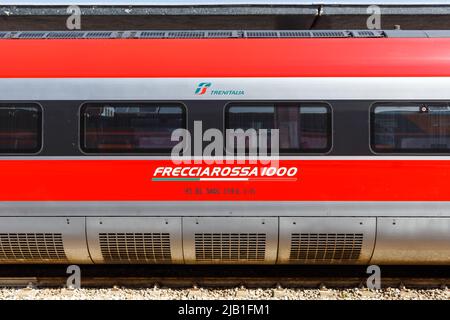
65, 35
100, 35
38, 247
31, 35
230, 247
3, 35
152, 34
329, 34
220, 34
325, 247
135, 247
368, 34
295, 34
186, 34
261, 34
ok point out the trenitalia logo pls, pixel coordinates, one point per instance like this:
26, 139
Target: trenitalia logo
202, 88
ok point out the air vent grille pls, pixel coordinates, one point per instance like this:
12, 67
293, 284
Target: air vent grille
65, 35
199, 34
220, 34
32, 247
31, 35
294, 34
325, 247
151, 34
230, 247
186, 34
135, 247
367, 34
330, 34
261, 34
100, 35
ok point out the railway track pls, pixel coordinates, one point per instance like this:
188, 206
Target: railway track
47, 276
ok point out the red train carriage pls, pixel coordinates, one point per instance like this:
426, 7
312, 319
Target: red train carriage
85, 147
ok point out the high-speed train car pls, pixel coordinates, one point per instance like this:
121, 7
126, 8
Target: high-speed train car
114, 147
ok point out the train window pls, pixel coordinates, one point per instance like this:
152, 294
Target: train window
130, 127
303, 127
410, 128
20, 128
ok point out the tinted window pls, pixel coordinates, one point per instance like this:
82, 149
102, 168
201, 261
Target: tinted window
302, 127
411, 128
20, 128
130, 127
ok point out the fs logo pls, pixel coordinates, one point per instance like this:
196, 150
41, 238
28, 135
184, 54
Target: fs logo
202, 88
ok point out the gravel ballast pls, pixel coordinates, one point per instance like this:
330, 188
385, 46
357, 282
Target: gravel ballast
229, 294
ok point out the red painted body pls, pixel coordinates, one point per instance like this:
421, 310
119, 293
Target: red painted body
384, 57
317, 180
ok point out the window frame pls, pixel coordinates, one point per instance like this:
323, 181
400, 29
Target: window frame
81, 127
40, 132
287, 152
402, 103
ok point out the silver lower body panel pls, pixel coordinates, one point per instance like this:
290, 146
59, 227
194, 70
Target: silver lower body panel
225, 232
